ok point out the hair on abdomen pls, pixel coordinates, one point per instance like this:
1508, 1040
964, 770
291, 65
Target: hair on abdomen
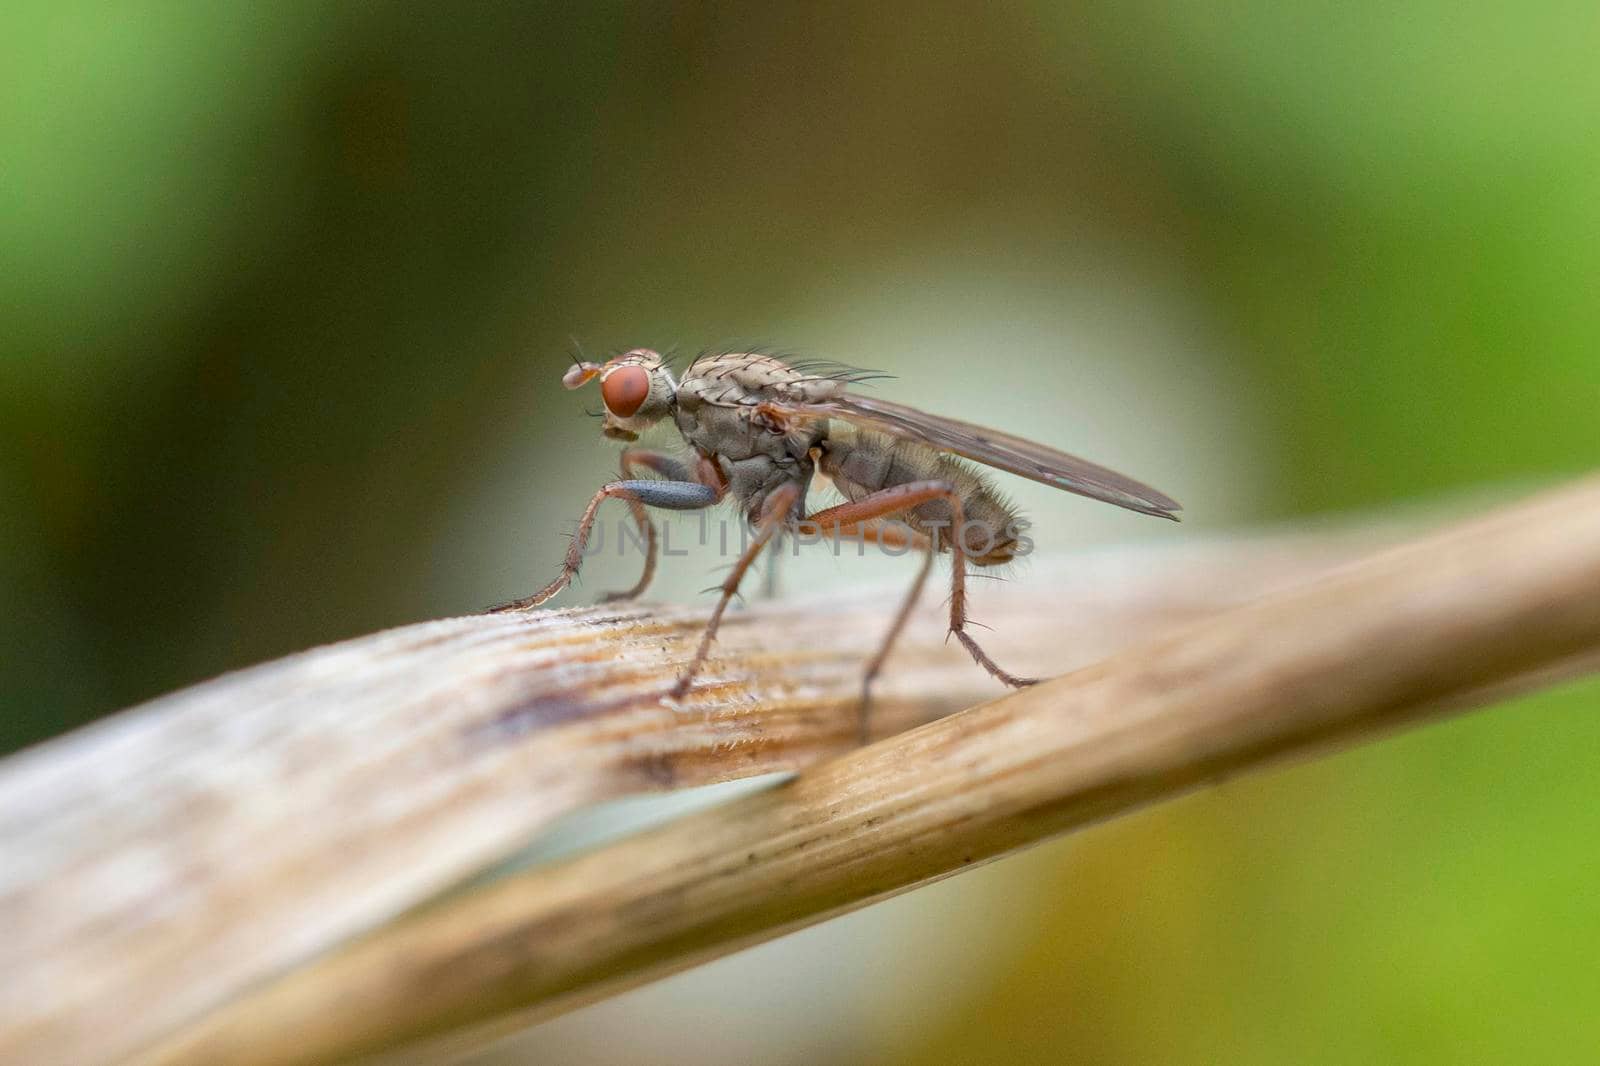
860, 463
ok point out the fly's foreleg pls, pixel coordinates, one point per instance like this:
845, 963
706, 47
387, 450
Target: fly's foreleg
774, 513
668, 495
668, 467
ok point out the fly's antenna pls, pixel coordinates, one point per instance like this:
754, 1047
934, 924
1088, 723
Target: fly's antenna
581, 371
580, 355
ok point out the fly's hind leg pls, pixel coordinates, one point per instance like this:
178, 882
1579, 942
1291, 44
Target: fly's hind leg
898, 499
668, 495
889, 536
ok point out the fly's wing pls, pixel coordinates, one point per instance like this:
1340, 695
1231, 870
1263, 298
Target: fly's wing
990, 447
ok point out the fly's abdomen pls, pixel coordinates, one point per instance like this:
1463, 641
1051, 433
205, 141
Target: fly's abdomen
861, 463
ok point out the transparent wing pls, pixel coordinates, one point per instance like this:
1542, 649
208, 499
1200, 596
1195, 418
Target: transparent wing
1003, 451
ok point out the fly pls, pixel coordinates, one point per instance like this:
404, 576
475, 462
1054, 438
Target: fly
759, 429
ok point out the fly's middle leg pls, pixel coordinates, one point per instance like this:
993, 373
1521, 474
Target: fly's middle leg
769, 573
774, 513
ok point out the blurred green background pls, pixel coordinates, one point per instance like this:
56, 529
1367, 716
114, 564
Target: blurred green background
285, 291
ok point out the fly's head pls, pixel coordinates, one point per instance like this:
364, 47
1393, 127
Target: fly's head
636, 388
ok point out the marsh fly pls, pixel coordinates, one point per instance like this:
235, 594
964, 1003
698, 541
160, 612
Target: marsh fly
760, 428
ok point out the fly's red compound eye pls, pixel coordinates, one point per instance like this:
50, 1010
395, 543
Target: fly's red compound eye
624, 390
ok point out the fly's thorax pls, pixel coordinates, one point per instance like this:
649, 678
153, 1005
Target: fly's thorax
860, 463
752, 479
717, 410
744, 378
